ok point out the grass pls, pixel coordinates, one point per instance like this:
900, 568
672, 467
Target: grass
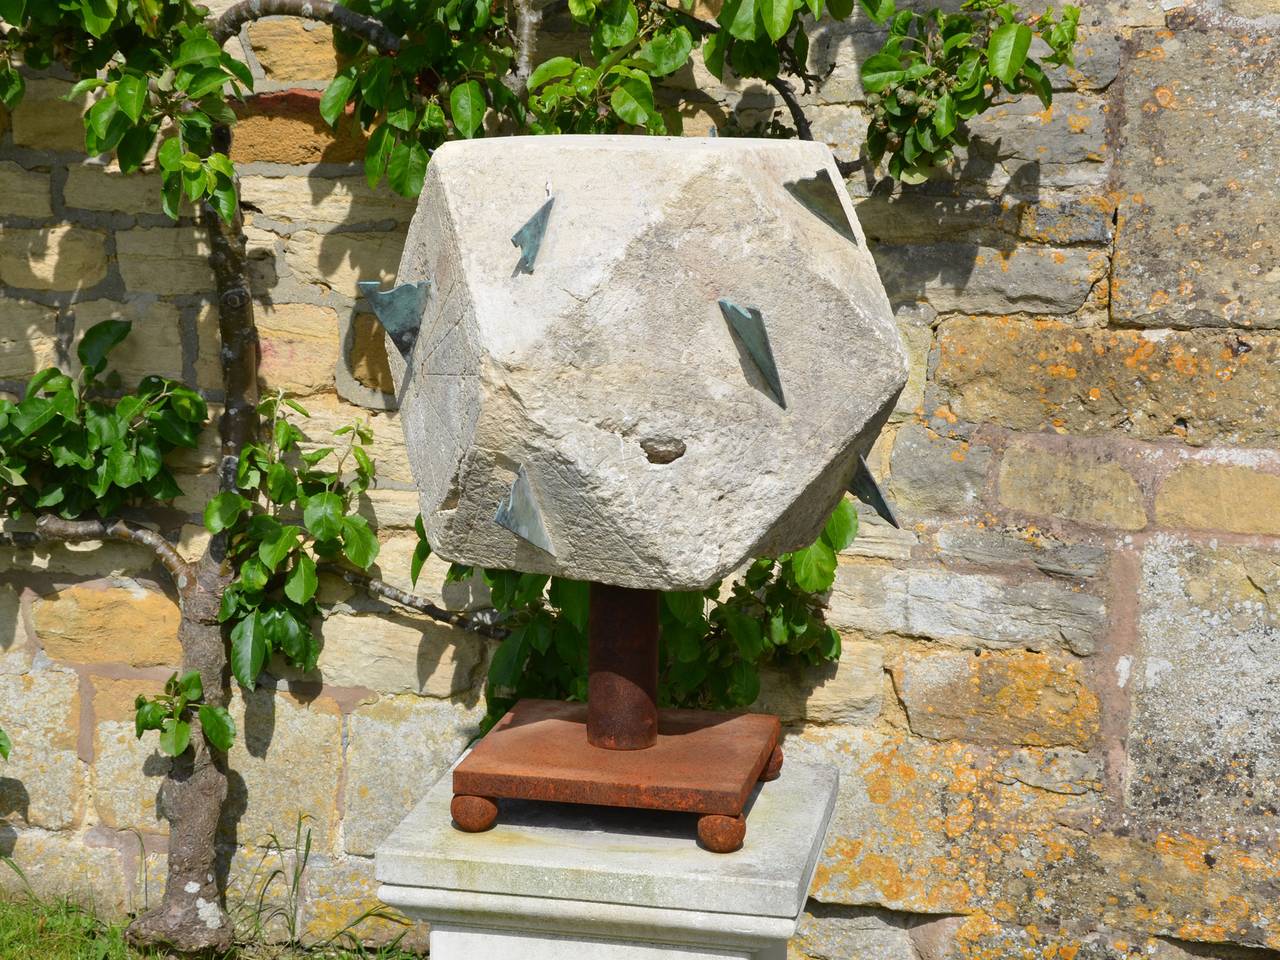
32, 929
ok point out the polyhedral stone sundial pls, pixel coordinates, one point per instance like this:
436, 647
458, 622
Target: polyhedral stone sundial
638, 362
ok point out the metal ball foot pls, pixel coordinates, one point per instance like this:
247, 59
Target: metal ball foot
773, 768
473, 814
721, 834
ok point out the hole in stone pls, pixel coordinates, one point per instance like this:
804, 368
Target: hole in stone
662, 449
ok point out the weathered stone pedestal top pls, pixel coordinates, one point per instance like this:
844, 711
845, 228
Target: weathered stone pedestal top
561, 878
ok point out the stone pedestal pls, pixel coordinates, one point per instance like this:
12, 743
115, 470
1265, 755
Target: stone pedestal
553, 881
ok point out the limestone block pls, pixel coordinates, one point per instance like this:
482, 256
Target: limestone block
1071, 131
28, 339
92, 186
339, 261
339, 892
930, 473
62, 866
127, 772
1200, 386
1073, 485
1197, 177
979, 279
24, 193
298, 347
398, 653
41, 782
424, 736
287, 128
45, 121
1214, 496
607, 364
109, 622
861, 933
93, 558
154, 345
986, 545
287, 763
848, 691
367, 355
290, 50
16, 649
52, 258
965, 609
1206, 689
336, 201
164, 260
1001, 697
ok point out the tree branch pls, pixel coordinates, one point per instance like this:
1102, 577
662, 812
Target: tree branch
51, 529
788, 95
377, 588
228, 25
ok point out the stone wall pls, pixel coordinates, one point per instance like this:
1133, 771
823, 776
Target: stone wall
1056, 716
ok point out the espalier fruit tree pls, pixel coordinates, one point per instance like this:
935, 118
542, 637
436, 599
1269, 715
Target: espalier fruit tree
80, 456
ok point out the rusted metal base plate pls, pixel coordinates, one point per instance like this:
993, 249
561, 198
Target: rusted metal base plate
704, 761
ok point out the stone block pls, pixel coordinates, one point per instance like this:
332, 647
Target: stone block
1199, 386
338, 261
424, 736
28, 339
109, 622
92, 186
1197, 245
1206, 690
965, 609
62, 257
127, 772
1005, 697
568, 400
287, 128
985, 545
1220, 496
164, 260
41, 784
848, 691
154, 345
62, 866
24, 193
46, 121
93, 558
16, 648
298, 347
930, 473
399, 653
286, 763
853, 933
340, 891
1070, 131
290, 50
367, 355
1057, 769
330, 202
971, 278
1088, 488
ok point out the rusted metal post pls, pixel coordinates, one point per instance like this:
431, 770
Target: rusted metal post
622, 682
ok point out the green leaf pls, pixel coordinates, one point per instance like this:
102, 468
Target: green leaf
175, 735
420, 554
218, 726
98, 15
744, 683
273, 551
224, 510
131, 95
323, 516
407, 168
190, 685
197, 49
466, 107
282, 487
776, 15
11, 11
619, 24
685, 605
714, 49
814, 567
6, 746
746, 633
738, 17
300, 585
878, 11
12, 86
87, 85
359, 543
98, 341
944, 116
550, 70
1007, 50
334, 99
879, 71
841, 526
632, 100
248, 650
148, 715
668, 52
573, 599
377, 153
